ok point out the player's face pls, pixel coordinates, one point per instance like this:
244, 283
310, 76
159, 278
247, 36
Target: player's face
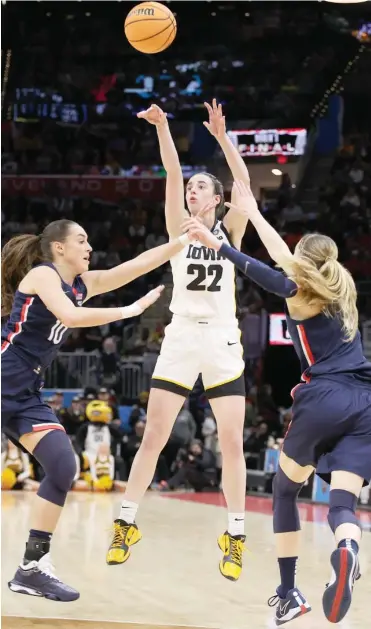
76, 249
199, 192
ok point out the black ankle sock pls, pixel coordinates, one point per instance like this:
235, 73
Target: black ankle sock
37, 546
287, 567
349, 543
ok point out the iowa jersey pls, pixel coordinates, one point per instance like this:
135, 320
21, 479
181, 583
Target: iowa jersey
32, 331
204, 281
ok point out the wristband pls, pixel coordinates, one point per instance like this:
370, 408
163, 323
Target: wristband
131, 311
184, 239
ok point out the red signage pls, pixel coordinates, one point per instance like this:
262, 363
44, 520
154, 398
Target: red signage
106, 188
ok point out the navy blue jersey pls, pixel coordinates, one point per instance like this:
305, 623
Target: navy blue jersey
320, 345
32, 331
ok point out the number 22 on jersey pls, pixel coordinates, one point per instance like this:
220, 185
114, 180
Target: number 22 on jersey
214, 271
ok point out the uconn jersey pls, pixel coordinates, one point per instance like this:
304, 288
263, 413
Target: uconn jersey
204, 281
32, 331
322, 351
331, 426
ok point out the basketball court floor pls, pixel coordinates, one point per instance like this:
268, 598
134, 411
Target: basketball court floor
172, 579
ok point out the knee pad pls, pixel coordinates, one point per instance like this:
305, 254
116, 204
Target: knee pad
285, 511
54, 452
343, 505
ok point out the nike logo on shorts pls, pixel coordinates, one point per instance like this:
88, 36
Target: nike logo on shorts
229, 343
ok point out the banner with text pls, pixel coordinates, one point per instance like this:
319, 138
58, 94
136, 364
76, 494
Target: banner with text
110, 189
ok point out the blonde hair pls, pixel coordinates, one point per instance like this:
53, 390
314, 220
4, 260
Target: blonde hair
324, 282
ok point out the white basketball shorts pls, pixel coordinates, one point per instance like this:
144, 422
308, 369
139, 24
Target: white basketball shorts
201, 346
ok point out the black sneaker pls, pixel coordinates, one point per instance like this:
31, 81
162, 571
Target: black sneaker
37, 578
337, 597
293, 606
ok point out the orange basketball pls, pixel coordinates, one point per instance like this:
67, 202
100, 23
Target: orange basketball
150, 27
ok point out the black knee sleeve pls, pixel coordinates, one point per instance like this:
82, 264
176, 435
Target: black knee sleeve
342, 510
55, 454
285, 511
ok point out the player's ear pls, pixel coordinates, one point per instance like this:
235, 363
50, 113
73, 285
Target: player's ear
57, 247
217, 198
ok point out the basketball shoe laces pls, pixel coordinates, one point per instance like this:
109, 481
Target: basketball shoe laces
46, 567
236, 549
119, 534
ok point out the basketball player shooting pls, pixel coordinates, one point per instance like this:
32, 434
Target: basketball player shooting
331, 426
202, 338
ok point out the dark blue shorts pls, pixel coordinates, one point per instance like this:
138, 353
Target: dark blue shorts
22, 408
331, 426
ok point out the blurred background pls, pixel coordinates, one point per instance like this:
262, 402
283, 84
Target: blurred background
293, 78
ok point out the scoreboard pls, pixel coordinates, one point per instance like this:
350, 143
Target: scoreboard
269, 142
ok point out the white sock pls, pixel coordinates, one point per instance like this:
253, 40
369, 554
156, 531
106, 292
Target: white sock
236, 523
128, 511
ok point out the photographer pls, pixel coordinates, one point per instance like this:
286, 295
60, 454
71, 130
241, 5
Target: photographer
195, 466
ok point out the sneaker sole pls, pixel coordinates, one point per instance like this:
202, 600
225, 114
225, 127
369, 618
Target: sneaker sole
337, 597
119, 563
19, 588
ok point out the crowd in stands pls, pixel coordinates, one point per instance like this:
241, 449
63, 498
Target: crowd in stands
244, 56
73, 103
343, 210
89, 64
192, 456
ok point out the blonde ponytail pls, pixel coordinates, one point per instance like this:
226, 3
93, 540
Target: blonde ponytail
324, 282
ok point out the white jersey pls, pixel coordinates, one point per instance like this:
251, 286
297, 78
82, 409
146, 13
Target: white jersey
95, 436
204, 281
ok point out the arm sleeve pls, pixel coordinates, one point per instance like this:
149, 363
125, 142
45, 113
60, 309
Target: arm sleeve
271, 280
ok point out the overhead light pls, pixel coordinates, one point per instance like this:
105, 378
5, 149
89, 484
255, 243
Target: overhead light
346, 1
276, 171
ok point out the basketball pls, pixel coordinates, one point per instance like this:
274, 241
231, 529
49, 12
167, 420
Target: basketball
150, 27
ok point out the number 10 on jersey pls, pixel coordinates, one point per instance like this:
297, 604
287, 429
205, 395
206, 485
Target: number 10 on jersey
56, 333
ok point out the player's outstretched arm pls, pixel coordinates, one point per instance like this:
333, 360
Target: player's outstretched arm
235, 222
275, 245
174, 197
45, 283
98, 282
270, 279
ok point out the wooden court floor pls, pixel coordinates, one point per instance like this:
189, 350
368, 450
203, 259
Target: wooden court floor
172, 579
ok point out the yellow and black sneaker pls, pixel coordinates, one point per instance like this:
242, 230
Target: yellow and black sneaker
124, 536
233, 547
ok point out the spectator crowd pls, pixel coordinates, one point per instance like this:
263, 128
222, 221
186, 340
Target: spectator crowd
72, 111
